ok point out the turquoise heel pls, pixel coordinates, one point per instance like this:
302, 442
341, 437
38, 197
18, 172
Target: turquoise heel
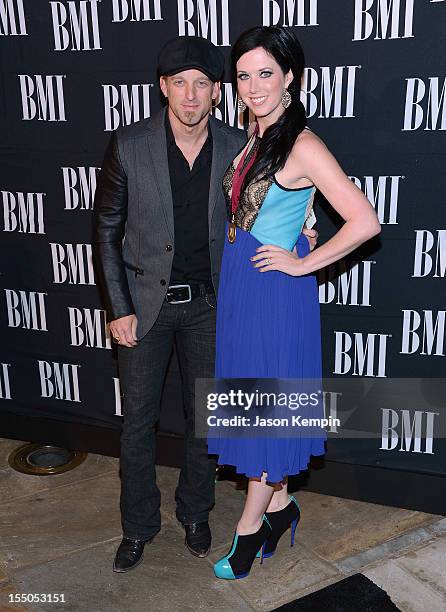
238, 562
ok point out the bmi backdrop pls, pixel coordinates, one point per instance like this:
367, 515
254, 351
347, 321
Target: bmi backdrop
374, 89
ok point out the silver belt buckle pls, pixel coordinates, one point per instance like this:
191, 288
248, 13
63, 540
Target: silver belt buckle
180, 287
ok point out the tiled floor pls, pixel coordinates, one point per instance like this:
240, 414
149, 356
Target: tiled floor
58, 534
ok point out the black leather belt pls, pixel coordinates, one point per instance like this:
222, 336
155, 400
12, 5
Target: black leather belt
180, 294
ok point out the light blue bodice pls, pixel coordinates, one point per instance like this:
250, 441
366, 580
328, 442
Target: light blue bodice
272, 213
282, 215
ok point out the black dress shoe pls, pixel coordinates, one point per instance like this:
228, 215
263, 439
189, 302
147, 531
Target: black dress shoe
129, 554
198, 538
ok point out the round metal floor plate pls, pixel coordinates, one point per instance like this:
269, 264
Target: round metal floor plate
44, 460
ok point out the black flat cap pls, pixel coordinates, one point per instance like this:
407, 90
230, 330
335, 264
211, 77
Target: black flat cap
186, 52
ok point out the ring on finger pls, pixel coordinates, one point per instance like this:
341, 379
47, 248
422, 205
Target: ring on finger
268, 262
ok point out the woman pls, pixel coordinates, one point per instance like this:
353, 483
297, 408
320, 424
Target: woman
268, 320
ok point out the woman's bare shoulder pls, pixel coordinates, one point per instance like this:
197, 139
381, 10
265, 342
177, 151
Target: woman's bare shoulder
308, 143
308, 138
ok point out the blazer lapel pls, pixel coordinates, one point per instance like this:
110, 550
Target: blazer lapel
157, 147
219, 166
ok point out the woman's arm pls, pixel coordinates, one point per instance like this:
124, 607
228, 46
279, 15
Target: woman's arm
361, 221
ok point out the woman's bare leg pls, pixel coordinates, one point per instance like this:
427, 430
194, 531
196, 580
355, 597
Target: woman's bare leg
280, 497
257, 500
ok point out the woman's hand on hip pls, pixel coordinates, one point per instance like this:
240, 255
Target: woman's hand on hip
270, 257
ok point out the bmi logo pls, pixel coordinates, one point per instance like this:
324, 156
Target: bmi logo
290, 12
360, 357
42, 97
407, 429
352, 287
59, 381
425, 263
383, 19
126, 104
118, 397
79, 187
26, 309
23, 212
425, 104
330, 404
5, 387
76, 25
72, 263
88, 327
329, 91
12, 18
423, 334
139, 10
205, 18
382, 193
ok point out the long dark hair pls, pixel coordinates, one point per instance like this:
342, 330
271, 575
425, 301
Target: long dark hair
279, 138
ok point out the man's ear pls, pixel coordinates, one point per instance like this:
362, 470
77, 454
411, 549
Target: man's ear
216, 90
163, 85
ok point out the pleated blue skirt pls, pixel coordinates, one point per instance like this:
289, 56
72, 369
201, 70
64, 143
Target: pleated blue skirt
268, 326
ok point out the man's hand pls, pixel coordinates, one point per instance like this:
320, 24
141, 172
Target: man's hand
123, 330
312, 235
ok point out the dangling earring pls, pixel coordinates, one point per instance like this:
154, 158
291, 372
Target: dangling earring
286, 98
241, 105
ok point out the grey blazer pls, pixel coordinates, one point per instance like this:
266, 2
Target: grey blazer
133, 226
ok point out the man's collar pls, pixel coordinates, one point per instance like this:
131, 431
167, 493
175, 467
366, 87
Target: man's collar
169, 132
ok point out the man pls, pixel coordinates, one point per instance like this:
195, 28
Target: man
160, 190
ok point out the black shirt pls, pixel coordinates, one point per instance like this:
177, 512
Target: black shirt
190, 195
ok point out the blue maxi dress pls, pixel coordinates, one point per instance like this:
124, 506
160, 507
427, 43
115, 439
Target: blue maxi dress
268, 324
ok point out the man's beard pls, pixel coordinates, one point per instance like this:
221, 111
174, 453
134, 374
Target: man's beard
190, 116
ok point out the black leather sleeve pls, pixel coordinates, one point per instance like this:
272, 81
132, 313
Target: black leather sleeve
109, 219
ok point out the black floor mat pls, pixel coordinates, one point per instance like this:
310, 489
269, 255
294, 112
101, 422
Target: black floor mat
353, 594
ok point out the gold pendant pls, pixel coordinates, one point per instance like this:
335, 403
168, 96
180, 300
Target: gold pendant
232, 230
231, 233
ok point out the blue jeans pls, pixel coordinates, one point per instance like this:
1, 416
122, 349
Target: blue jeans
142, 369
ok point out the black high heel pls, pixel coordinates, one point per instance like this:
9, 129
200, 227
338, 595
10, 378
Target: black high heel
238, 562
280, 521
